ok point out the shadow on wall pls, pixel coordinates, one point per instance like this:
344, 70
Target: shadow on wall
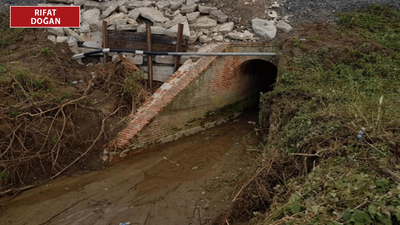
262, 73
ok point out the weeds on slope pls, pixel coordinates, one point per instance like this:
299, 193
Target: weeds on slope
334, 122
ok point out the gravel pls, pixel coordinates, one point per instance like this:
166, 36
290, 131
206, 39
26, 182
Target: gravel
7, 3
304, 11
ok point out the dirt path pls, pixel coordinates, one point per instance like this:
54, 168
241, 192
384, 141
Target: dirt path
146, 189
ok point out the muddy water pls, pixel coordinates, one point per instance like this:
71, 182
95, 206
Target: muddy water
189, 181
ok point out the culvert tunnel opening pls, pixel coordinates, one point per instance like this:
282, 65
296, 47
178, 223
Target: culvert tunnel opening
261, 77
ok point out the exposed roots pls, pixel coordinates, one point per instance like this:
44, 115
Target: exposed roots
43, 133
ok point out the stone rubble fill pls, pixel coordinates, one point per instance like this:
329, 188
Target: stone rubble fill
203, 22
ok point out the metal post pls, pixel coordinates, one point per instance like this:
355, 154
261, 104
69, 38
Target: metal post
178, 47
149, 59
105, 40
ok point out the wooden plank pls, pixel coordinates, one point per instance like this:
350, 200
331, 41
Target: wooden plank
149, 59
178, 47
105, 40
140, 46
126, 36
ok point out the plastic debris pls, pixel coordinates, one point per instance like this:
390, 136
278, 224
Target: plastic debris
361, 133
236, 143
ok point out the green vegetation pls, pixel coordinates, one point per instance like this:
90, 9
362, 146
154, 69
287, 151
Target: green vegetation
46, 51
132, 85
326, 94
8, 36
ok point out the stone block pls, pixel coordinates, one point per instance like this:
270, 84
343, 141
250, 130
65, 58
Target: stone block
123, 9
135, 59
138, 4
160, 73
205, 39
91, 5
84, 28
56, 31
226, 27
241, 36
174, 5
189, 8
283, 26
192, 17
117, 16
206, 9
177, 20
173, 31
61, 39
153, 15
52, 38
113, 6
120, 22
79, 2
219, 16
134, 14
61, 1
264, 28
205, 22
162, 5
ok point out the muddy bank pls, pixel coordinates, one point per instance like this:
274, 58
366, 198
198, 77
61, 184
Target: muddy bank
194, 182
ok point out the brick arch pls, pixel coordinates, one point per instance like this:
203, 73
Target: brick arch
262, 71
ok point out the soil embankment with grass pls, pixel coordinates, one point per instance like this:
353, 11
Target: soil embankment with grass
333, 149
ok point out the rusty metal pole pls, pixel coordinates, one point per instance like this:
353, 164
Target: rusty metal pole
105, 40
178, 47
149, 59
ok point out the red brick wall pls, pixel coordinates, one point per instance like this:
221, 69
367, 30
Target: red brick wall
180, 105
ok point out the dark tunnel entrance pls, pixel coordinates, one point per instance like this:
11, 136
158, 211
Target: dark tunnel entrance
260, 75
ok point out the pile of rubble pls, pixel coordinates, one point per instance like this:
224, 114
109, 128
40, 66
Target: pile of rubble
203, 22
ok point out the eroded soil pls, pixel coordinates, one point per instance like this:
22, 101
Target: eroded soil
189, 181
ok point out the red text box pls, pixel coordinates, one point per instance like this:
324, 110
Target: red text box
44, 16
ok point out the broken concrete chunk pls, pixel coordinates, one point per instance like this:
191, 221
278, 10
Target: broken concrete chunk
138, 4
192, 17
189, 8
135, 59
205, 39
123, 9
92, 17
61, 1
226, 27
134, 14
264, 28
272, 14
205, 9
56, 31
91, 5
283, 26
61, 39
162, 5
113, 6
52, 38
85, 28
205, 22
219, 16
241, 36
153, 15
118, 16
79, 2
173, 31
132, 21
193, 37
177, 20
120, 22
174, 5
